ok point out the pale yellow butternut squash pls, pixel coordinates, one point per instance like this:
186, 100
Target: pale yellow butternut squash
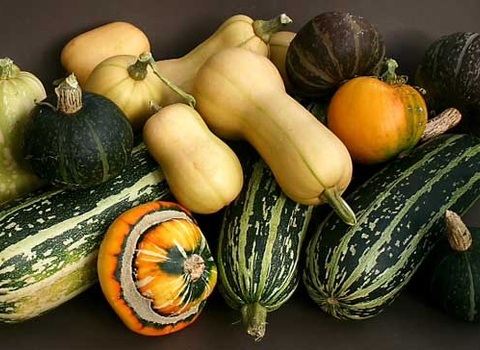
241, 95
237, 31
202, 171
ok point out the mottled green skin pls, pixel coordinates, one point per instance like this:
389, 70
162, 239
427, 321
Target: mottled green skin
453, 278
331, 48
450, 74
259, 247
49, 239
81, 149
355, 272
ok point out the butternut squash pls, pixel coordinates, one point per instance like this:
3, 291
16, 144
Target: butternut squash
202, 171
82, 53
241, 95
237, 31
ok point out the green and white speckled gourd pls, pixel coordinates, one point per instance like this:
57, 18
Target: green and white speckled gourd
19, 90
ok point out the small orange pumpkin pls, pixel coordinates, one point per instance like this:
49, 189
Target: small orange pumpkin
377, 118
155, 268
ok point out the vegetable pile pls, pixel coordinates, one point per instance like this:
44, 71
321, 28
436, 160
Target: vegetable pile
103, 180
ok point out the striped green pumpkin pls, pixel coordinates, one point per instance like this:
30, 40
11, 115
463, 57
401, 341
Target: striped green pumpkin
49, 240
356, 272
449, 72
331, 48
259, 248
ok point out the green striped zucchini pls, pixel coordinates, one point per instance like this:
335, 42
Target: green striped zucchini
49, 239
260, 240
356, 272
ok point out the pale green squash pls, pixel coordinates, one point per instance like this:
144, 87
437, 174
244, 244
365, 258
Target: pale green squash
19, 90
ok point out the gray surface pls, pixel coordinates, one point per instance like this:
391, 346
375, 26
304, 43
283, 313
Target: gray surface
33, 33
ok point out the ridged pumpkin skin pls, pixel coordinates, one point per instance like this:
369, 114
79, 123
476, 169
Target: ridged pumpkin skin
376, 120
331, 48
155, 268
19, 90
450, 73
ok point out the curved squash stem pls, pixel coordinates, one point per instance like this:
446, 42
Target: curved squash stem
441, 123
332, 197
458, 234
265, 28
254, 319
147, 57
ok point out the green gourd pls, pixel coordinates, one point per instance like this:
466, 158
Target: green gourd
76, 138
19, 91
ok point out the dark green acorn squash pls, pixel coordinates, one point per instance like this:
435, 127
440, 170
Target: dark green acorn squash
450, 73
452, 270
331, 48
77, 139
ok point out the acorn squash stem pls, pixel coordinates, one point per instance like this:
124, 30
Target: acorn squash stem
69, 95
265, 28
332, 197
254, 319
458, 234
147, 57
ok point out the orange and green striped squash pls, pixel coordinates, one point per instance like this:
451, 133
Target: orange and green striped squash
377, 118
155, 268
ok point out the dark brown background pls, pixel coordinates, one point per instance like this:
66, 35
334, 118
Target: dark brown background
33, 33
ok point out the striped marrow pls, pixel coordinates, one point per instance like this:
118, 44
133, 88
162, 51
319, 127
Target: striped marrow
49, 239
259, 248
155, 268
356, 272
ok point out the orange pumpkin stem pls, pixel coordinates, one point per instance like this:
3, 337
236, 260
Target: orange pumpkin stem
390, 76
